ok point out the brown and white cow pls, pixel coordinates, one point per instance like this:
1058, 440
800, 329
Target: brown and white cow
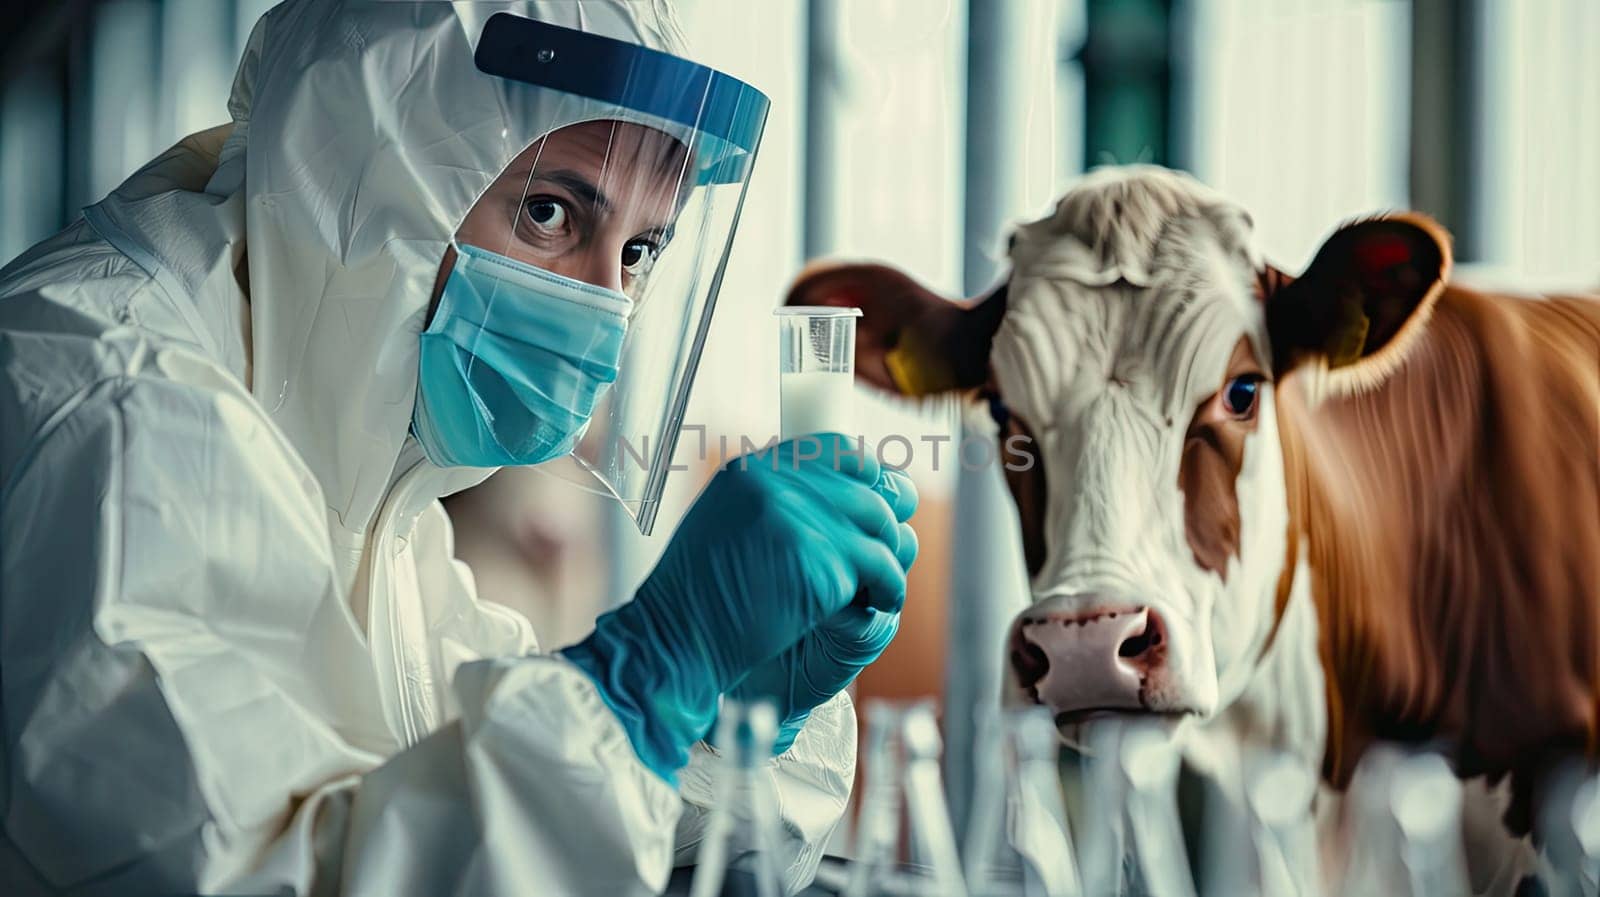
1357, 504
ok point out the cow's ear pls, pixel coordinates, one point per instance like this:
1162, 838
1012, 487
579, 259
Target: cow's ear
1365, 296
910, 340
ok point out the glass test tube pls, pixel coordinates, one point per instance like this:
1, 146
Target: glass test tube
1280, 791
737, 857
1104, 857
816, 369
933, 842
877, 847
1407, 827
1019, 841
1150, 763
1569, 816
904, 795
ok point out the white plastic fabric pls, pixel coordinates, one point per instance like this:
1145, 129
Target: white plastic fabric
229, 612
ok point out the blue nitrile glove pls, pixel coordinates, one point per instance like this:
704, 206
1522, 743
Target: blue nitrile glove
828, 658
777, 543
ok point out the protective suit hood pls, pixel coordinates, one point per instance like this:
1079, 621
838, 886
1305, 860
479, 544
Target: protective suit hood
362, 134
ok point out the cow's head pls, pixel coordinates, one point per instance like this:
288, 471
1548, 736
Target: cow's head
1137, 344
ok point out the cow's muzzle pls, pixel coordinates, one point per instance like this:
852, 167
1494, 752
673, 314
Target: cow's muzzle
1084, 662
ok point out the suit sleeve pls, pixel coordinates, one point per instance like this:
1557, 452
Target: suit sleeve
189, 706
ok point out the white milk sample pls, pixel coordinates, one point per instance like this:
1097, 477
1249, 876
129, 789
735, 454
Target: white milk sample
817, 402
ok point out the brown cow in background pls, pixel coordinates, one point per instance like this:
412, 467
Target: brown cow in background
1312, 512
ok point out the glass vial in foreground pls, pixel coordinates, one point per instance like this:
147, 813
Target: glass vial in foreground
904, 788
1019, 841
737, 857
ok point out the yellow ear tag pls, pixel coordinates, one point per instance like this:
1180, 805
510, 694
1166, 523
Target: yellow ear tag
1349, 335
911, 372
905, 372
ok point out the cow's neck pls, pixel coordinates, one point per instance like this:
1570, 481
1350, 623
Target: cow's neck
1449, 525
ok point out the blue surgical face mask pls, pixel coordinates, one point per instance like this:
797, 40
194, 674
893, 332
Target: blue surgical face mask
514, 362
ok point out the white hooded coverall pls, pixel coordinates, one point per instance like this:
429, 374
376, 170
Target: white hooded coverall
236, 653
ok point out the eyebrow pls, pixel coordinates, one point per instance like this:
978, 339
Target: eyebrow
578, 185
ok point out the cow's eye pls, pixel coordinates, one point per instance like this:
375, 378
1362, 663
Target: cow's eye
1239, 395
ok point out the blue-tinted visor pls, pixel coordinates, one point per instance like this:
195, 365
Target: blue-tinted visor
726, 114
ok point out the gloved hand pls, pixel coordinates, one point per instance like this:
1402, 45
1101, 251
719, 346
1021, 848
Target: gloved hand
828, 658
778, 542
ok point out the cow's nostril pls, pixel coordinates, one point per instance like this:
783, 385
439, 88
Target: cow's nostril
1144, 640
1030, 662
1136, 645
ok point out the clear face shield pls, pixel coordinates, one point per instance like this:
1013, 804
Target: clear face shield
584, 278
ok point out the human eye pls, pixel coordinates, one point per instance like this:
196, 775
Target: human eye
547, 215
639, 256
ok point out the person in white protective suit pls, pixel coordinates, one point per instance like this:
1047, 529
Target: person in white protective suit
236, 654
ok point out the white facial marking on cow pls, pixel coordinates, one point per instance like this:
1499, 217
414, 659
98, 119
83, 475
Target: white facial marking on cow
1124, 310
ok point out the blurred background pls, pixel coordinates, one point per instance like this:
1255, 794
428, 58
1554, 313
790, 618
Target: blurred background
917, 132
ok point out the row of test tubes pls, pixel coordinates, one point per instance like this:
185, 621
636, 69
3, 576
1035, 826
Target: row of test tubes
1118, 830
1019, 841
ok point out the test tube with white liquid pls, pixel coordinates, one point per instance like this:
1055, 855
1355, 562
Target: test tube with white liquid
816, 373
